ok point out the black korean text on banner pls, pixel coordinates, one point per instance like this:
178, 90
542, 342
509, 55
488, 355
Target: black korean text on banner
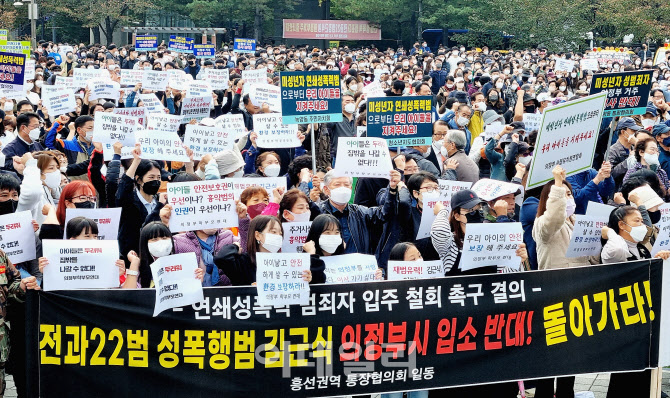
368, 338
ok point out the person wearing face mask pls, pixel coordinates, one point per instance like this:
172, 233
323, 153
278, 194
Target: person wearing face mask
224, 164
650, 118
345, 128
647, 156
193, 68
75, 195
619, 152
460, 120
662, 135
205, 244
79, 149
155, 241
41, 183
265, 235
264, 165
28, 132
324, 238
457, 166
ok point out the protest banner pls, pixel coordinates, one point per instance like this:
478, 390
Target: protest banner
491, 244
80, 264
63, 82
146, 43
199, 88
260, 94
16, 47
279, 279
272, 133
445, 333
564, 65
203, 140
627, 92
17, 236
163, 122
103, 89
255, 76
244, 45
585, 238
176, 284
201, 205
407, 270
663, 239
151, 103
295, 236
605, 57
349, 268
109, 128
57, 100
13, 68
268, 183
82, 76
374, 90
589, 64
156, 80
179, 80
107, 219
139, 113
181, 44
217, 78
29, 71
532, 121
599, 211
447, 190
363, 157
310, 97
234, 124
195, 108
401, 120
320, 29
203, 51
567, 137
131, 77
161, 145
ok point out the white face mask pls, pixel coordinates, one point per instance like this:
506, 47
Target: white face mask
582, 87
651, 159
463, 121
34, 134
39, 83
562, 88
443, 151
525, 160
330, 243
353, 87
481, 107
9, 106
52, 180
570, 207
160, 248
637, 233
300, 217
271, 170
239, 173
573, 75
273, 242
499, 85
340, 195
648, 122
28, 86
450, 85
350, 107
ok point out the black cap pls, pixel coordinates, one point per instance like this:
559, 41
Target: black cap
466, 199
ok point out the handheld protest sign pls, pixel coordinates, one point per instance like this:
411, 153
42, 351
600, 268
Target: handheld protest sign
401, 120
272, 133
363, 157
200, 205
207, 140
279, 278
295, 236
176, 284
348, 268
107, 219
311, 97
567, 137
627, 92
491, 244
17, 236
405, 270
146, 43
446, 191
13, 68
80, 264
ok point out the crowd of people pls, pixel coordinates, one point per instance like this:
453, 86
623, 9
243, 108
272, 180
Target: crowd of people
53, 162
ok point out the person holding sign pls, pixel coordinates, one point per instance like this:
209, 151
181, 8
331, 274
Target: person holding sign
266, 235
78, 149
647, 156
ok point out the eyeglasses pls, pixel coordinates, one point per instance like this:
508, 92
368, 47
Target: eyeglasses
84, 198
411, 169
468, 211
430, 188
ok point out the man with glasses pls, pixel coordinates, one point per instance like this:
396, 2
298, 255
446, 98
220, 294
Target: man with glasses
28, 127
434, 155
658, 99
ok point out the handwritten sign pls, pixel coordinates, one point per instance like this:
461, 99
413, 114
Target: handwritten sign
80, 264
17, 236
57, 100
260, 94
663, 238
269, 183
491, 244
255, 76
272, 133
81, 76
217, 78
279, 279
110, 128
404, 270
155, 80
161, 145
565, 65
176, 284
627, 92
532, 121
102, 88
311, 97
585, 238
12, 68
151, 103
201, 205
163, 122
447, 190
107, 220
363, 157
295, 236
196, 108
567, 137
350, 268
234, 124
203, 140
131, 77
401, 120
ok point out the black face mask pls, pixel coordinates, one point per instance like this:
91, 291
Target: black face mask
220, 67
529, 109
191, 62
151, 187
474, 217
85, 205
655, 216
9, 206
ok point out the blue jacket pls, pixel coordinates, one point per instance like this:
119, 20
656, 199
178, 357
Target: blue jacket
18, 147
71, 148
497, 160
664, 159
449, 118
192, 71
439, 79
585, 190
527, 218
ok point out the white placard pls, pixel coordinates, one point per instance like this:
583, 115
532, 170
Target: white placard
488, 189
663, 239
151, 103
532, 121
81, 76
491, 244
363, 157
254, 76
279, 279
664, 339
107, 219
29, 71
273, 134
155, 80
492, 129
163, 122
131, 77
349, 268
110, 128
589, 64
201, 205
361, 131
57, 100
196, 108
269, 183
447, 189
176, 284
64, 82
565, 65
161, 145
232, 123
80, 264
403, 270
105, 89
199, 88
599, 211
295, 236
265, 93
139, 113
203, 140
17, 236
567, 137
585, 238
217, 78
374, 90
179, 79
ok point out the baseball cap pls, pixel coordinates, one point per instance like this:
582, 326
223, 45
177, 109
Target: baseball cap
628, 123
466, 199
